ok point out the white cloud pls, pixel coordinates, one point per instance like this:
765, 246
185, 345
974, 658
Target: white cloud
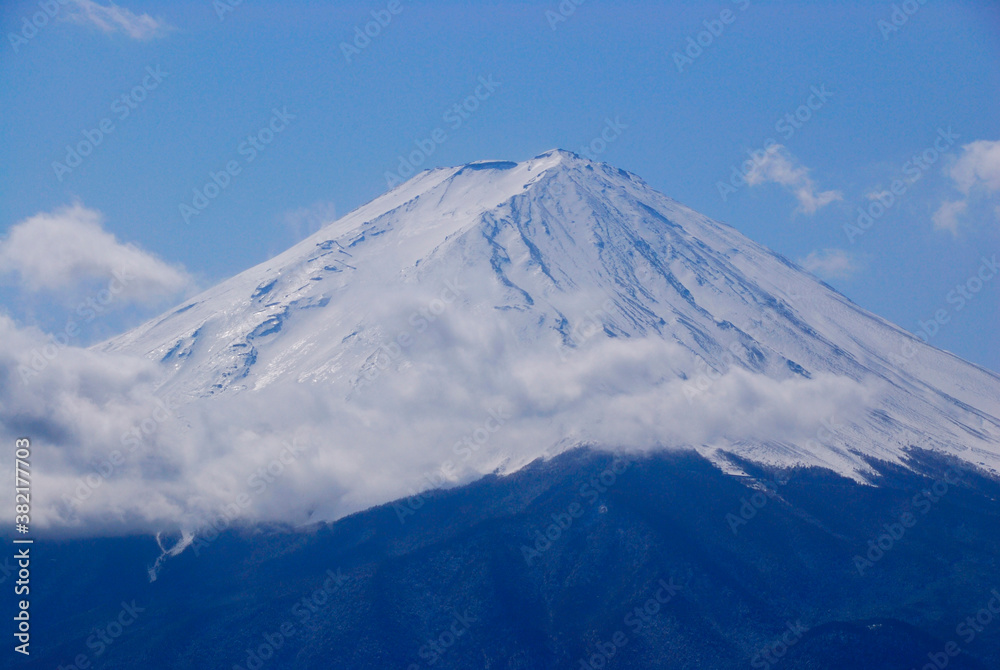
829, 264
324, 456
779, 167
978, 167
67, 250
113, 18
946, 217
976, 174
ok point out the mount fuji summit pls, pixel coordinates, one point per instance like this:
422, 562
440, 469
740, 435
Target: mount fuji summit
576, 306
533, 415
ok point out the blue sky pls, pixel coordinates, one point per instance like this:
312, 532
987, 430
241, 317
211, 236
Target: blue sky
875, 87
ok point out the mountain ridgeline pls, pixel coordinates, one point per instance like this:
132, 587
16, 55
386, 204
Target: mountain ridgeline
572, 299
589, 560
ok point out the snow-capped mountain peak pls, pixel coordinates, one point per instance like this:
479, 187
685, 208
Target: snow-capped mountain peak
540, 305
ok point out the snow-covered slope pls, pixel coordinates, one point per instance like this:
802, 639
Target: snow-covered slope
578, 305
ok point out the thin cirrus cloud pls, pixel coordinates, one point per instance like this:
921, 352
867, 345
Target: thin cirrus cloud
778, 166
68, 248
830, 264
113, 18
976, 174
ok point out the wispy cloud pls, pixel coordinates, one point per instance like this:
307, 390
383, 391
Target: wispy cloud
978, 166
91, 406
780, 167
64, 250
305, 221
830, 264
946, 217
976, 174
113, 18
